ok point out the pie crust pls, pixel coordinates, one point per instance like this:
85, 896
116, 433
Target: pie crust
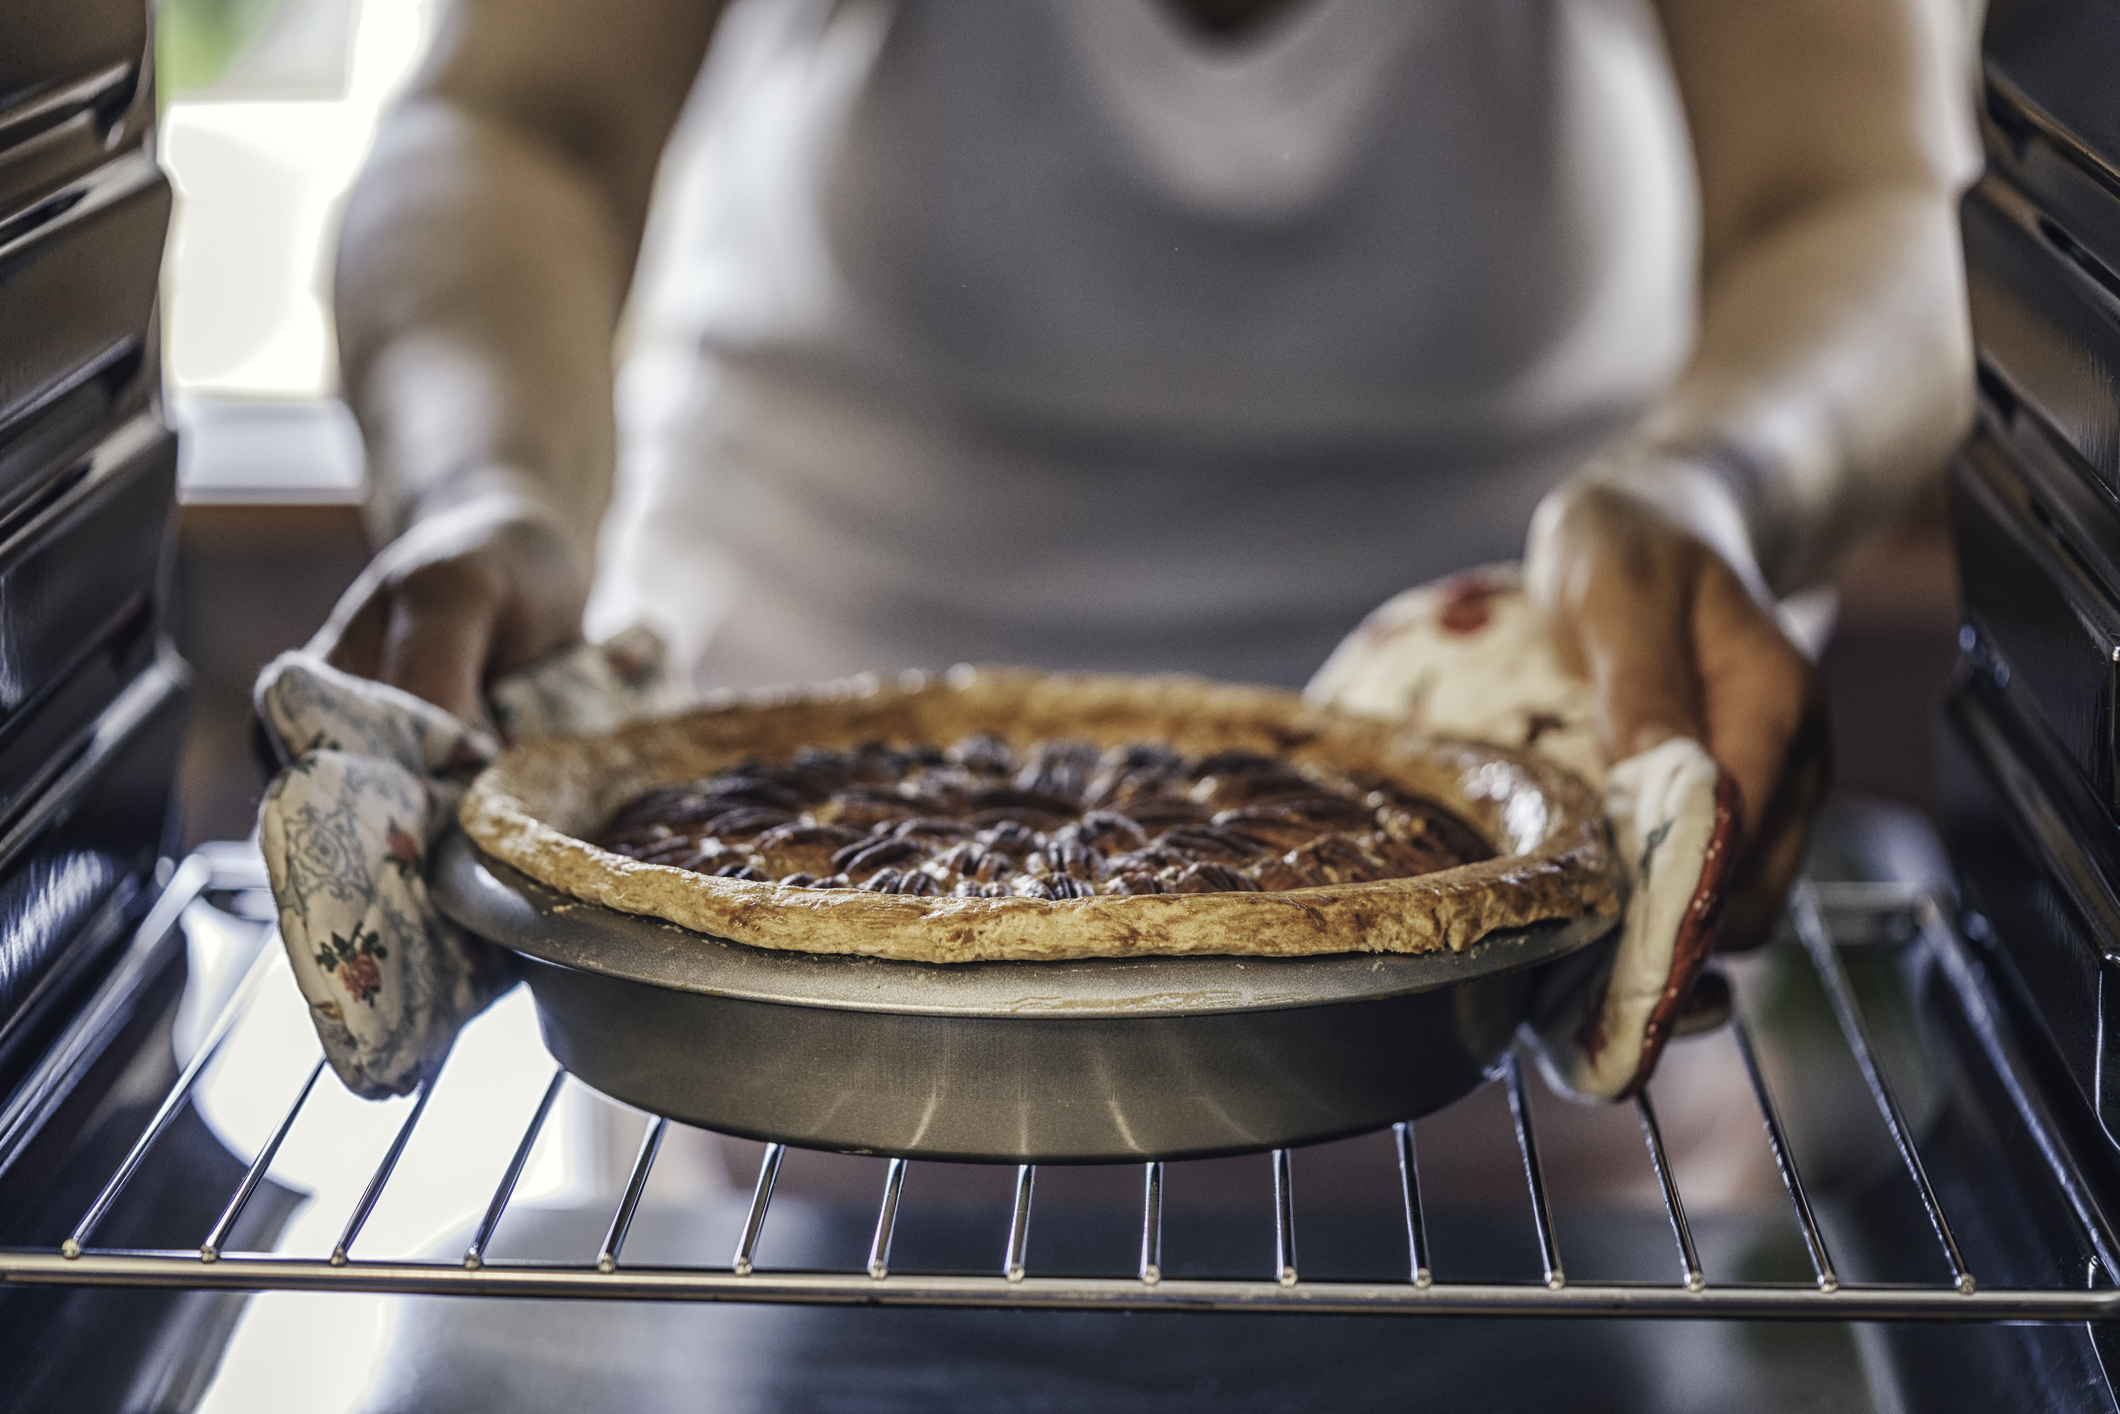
533, 806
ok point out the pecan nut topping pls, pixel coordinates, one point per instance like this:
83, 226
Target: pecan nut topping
867, 857
1208, 877
1057, 820
748, 820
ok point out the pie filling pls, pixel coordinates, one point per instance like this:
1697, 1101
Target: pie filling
1056, 820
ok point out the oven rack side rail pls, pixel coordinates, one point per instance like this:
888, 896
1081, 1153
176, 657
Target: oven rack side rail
540, 1281
1865, 910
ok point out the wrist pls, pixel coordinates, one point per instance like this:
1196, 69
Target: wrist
523, 530
493, 497
1709, 496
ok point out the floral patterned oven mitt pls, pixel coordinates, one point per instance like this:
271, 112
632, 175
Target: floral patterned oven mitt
1469, 657
370, 785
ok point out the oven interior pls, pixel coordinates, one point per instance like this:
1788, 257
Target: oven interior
505, 1238
1887, 1183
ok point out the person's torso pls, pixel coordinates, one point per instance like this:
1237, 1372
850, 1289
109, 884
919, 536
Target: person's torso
1049, 330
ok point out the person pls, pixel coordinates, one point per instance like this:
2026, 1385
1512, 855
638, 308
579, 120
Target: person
1159, 334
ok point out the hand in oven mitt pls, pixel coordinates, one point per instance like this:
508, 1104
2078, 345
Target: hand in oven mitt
370, 784
1469, 657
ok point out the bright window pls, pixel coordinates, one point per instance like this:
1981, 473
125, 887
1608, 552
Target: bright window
269, 109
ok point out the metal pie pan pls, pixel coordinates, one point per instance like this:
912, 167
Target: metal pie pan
1091, 1061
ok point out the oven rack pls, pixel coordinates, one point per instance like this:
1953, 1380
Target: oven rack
1859, 910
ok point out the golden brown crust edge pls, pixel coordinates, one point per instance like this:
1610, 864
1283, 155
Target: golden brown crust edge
530, 807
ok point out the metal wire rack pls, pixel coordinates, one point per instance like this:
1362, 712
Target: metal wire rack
1010, 1284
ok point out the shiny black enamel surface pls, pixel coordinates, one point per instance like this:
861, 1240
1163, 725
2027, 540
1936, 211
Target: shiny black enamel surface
81, 849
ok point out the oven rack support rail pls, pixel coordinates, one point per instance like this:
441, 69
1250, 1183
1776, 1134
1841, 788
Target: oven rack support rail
1010, 1285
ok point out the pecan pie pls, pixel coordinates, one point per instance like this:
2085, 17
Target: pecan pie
1057, 820
1066, 817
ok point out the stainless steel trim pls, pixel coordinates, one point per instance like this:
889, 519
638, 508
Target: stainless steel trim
1674, 1207
384, 1168
1811, 929
1019, 1223
1549, 1250
761, 1198
886, 1221
1284, 1220
1012, 1287
209, 1048
475, 1254
1410, 1196
1152, 1224
1814, 1241
249, 1272
210, 1249
629, 1203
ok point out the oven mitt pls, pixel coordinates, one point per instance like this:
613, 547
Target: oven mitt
371, 781
1469, 657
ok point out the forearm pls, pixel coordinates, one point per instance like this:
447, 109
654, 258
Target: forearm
480, 281
1832, 375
